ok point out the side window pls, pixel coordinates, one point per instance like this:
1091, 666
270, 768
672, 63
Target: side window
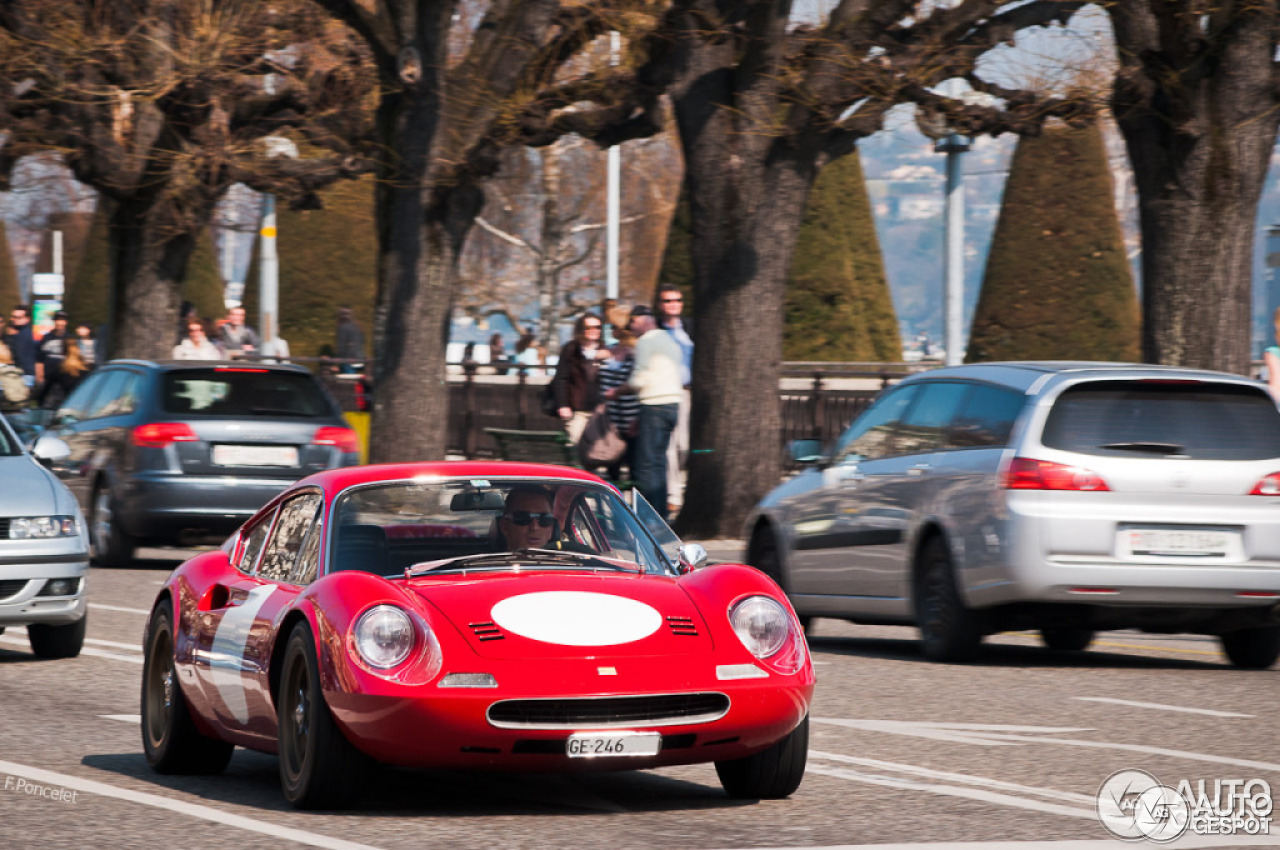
987, 417
307, 566
75, 405
868, 437
926, 423
296, 516
253, 545
106, 394
125, 398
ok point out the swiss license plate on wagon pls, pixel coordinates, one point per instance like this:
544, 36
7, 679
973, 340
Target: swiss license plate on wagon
1186, 542
589, 745
234, 455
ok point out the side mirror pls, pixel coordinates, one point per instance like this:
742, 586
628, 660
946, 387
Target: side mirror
805, 451
49, 449
690, 556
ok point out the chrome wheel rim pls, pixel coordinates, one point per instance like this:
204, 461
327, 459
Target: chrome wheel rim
102, 518
160, 686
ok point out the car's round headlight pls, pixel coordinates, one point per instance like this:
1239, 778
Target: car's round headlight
383, 636
761, 624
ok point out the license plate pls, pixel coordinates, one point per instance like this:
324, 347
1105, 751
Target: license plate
232, 455
590, 745
1194, 543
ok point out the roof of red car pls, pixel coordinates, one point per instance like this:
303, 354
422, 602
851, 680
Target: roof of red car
351, 475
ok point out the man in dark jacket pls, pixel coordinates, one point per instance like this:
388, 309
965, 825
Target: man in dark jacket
348, 341
21, 342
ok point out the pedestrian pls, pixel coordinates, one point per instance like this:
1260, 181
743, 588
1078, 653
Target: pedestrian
14, 391
497, 354
348, 342
87, 346
59, 385
655, 379
197, 345
235, 338
623, 407
1271, 357
528, 352
22, 343
576, 384
671, 320
51, 353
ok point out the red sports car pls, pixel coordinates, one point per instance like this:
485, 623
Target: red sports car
471, 615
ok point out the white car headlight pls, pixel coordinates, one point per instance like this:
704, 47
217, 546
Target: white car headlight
761, 624
383, 636
38, 527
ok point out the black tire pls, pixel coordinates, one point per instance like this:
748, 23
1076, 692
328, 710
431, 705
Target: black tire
771, 774
57, 641
319, 768
949, 630
109, 544
170, 739
1067, 640
1252, 649
764, 557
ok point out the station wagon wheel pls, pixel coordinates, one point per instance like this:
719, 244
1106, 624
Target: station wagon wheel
771, 774
109, 544
319, 768
949, 629
169, 736
1067, 640
1252, 649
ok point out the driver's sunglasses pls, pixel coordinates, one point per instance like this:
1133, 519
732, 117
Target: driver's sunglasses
526, 517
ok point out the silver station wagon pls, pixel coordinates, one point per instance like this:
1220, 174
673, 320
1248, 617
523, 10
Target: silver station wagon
1063, 497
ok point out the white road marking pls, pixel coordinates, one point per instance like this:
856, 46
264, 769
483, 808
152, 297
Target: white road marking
102, 607
208, 813
88, 650
123, 718
992, 734
1186, 842
1161, 707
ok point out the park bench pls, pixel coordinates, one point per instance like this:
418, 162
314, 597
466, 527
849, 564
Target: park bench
535, 446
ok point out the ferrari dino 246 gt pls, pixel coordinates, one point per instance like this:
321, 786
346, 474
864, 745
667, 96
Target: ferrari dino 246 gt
471, 615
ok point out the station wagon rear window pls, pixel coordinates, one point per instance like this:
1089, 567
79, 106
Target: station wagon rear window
242, 392
1157, 418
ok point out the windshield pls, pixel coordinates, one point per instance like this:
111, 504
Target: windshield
388, 528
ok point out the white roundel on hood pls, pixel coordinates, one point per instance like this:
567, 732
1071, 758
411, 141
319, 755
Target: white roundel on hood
577, 618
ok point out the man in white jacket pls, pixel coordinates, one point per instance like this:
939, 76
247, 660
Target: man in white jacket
656, 381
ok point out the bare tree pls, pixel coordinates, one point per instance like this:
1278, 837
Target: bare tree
161, 105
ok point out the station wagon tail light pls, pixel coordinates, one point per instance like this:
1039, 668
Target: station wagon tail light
157, 435
1268, 486
343, 439
1026, 473
769, 632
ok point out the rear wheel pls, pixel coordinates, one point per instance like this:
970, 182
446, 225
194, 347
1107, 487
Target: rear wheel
319, 768
57, 641
169, 736
109, 544
771, 774
764, 557
1252, 649
949, 629
1067, 640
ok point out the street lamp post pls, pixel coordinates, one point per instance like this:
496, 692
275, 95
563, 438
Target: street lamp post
953, 145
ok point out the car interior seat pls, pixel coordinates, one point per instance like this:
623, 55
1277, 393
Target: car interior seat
360, 547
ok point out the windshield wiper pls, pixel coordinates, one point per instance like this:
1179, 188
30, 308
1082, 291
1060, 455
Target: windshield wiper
520, 557
275, 411
1145, 446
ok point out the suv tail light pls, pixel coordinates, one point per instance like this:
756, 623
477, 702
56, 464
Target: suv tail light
1268, 486
1025, 473
344, 439
157, 435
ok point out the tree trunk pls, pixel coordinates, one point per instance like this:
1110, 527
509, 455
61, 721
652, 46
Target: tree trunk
147, 268
1200, 126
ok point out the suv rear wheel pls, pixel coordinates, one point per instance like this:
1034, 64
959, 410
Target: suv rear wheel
1253, 649
1067, 640
110, 545
949, 629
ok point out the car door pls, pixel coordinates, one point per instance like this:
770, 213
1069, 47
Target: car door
73, 470
832, 539
237, 632
99, 438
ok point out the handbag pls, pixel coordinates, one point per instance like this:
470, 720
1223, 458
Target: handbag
600, 442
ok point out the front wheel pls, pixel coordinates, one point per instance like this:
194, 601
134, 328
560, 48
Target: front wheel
1252, 649
949, 629
319, 768
109, 544
770, 774
57, 641
170, 739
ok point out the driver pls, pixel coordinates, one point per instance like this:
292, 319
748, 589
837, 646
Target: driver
527, 520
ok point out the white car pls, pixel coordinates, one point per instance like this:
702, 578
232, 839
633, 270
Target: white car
44, 548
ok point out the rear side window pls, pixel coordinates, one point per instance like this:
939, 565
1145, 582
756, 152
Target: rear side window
924, 426
1194, 419
242, 392
987, 418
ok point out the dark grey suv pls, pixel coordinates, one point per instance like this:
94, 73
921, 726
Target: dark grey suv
174, 452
